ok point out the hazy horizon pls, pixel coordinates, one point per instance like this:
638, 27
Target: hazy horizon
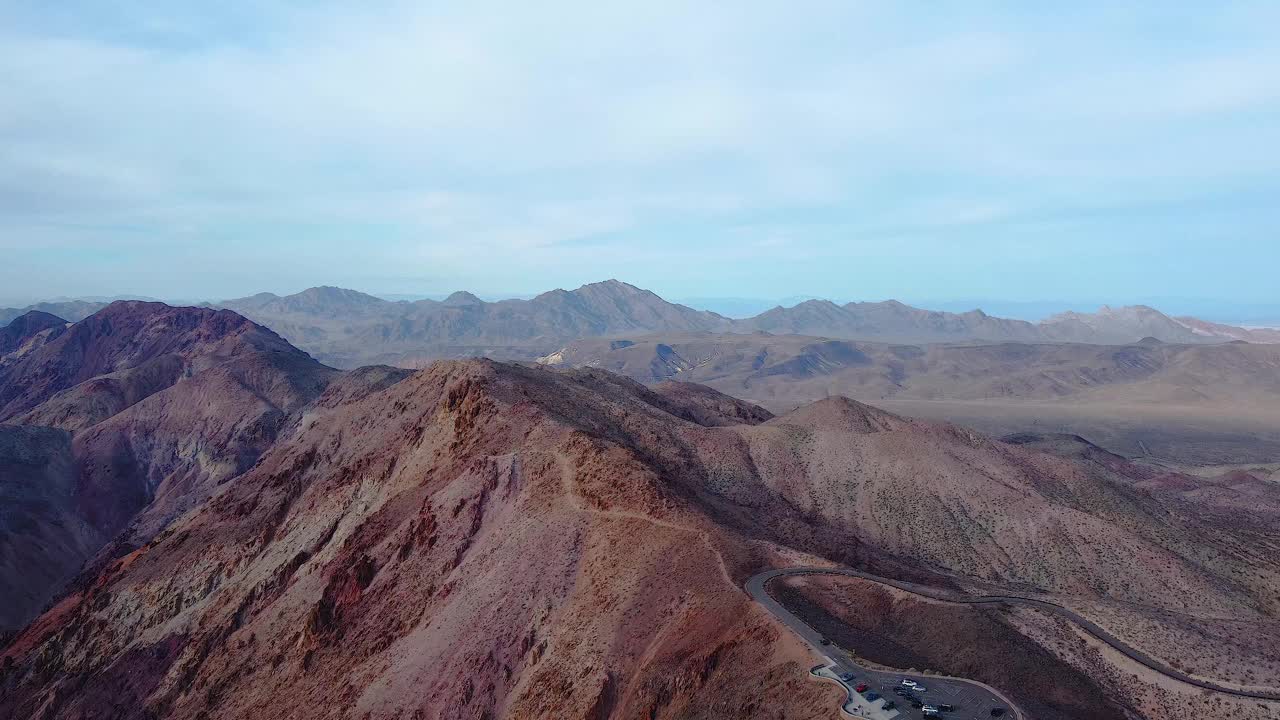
1259, 314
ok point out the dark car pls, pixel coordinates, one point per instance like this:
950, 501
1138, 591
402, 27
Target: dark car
846, 676
946, 708
873, 696
890, 705
900, 692
825, 641
997, 712
917, 704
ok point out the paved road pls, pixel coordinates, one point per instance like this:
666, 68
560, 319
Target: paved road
759, 581
972, 700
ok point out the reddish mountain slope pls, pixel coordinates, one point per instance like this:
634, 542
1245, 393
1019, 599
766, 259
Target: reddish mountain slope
139, 346
488, 540
168, 452
22, 330
466, 542
189, 398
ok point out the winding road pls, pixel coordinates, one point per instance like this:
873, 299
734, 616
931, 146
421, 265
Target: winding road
756, 587
972, 700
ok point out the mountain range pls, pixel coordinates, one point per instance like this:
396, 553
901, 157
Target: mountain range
203, 521
346, 328
1206, 395
68, 310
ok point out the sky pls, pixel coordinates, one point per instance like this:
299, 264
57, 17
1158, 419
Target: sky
1075, 152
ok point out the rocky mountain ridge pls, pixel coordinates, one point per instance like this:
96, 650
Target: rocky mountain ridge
479, 539
347, 328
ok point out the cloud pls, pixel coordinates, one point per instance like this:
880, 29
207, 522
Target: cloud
536, 135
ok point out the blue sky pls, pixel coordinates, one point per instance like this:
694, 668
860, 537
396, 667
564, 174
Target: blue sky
855, 150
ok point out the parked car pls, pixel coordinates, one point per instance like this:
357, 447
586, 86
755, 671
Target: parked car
943, 707
920, 688
873, 696
846, 676
997, 712
909, 683
917, 704
900, 692
862, 687
890, 705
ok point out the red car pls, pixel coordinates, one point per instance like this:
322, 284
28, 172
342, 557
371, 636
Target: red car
862, 687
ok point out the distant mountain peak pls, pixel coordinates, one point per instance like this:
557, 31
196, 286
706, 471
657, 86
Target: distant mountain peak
1129, 310
613, 283
613, 288
34, 317
842, 413
330, 292
461, 298
25, 327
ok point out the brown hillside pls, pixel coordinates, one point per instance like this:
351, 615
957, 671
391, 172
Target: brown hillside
488, 540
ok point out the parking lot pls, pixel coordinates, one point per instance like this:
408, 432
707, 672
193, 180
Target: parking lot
969, 700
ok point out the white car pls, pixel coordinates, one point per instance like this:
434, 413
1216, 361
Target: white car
921, 688
909, 683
